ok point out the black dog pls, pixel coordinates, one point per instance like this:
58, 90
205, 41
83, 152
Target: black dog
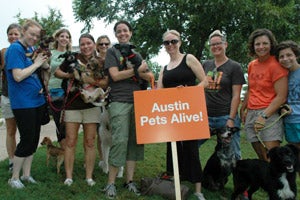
70, 65
219, 166
277, 178
132, 60
70, 62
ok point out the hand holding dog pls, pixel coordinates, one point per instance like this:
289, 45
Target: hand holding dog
40, 59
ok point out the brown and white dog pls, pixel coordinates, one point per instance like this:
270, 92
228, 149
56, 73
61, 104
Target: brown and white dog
104, 132
53, 151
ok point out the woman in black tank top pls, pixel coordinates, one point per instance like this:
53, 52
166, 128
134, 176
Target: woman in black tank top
183, 70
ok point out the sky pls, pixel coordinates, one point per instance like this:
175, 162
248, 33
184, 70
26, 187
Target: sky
27, 8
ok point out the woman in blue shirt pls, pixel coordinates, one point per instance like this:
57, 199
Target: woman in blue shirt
27, 99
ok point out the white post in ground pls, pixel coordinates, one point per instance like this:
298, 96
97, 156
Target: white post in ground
176, 171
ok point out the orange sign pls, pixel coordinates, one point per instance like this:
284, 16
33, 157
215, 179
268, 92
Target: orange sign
168, 115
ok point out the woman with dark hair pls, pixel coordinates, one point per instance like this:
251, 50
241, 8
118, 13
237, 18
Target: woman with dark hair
78, 112
267, 91
124, 149
287, 53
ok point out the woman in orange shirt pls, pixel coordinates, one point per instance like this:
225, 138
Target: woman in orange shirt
267, 91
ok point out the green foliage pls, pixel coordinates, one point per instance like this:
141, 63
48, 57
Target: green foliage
195, 20
50, 185
50, 23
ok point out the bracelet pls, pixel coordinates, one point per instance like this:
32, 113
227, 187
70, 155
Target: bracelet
229, 118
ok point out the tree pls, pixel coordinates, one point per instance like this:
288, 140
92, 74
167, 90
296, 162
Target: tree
195, 20
50, 23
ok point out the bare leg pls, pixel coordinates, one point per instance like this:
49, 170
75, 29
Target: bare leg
11, 129
112, 174
71, 141
130, 167
27, 165
90, 152
18, 163
261, 151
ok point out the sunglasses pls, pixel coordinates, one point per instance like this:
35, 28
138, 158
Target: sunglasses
168, 42
101, 44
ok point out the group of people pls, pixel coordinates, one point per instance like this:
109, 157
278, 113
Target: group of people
272, 82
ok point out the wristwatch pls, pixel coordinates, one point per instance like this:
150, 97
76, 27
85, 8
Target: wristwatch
263, 115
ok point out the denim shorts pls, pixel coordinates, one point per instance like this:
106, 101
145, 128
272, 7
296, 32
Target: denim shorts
7, 112
292, 132
273, 132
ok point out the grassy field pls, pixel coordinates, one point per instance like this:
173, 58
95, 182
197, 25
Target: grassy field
50, 185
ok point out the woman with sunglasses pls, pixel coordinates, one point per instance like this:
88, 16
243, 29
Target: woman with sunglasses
183, 70
102, 44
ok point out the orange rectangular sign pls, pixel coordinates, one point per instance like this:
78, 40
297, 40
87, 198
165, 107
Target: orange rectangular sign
172, 114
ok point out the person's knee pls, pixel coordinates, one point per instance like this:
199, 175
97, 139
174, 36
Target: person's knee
89, 142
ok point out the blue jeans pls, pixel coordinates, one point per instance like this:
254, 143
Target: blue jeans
219, 122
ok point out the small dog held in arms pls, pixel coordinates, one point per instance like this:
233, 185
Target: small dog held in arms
277, 177
105, 136
220, 164
132, 60
89, 93
54, 151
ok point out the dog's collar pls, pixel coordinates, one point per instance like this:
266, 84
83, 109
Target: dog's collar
131, 56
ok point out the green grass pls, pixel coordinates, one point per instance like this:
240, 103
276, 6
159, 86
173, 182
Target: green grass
51, 186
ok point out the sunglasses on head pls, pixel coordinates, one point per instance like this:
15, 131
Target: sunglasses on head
101, 44
168, 42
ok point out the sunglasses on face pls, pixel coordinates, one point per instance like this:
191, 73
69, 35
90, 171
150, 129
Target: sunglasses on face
101, 44
168, 42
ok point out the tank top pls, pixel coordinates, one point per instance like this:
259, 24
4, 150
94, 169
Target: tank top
180, 75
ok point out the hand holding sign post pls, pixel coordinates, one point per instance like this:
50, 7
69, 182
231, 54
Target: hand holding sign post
170, 115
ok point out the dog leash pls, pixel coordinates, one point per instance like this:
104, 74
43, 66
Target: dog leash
271, 124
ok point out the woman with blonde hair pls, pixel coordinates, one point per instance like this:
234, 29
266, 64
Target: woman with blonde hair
62, 43
183, 70
27, 99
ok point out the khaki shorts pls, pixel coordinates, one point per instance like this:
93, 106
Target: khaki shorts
7, 112
274, 133
90, 115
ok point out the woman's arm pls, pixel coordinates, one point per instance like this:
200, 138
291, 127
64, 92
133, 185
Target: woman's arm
61, 74
160, 78
281, 90
117, 75
235, 102
21, 74
243, 109
197, 68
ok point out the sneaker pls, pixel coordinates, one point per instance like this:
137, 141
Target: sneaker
90, 182
68, 182
110, 191
10, 167
15, 183
29, 179
131, 186
199, 196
